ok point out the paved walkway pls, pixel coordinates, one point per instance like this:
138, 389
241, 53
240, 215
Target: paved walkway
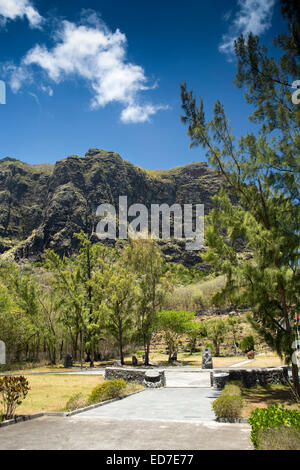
187, 379
170, 404
123, 434
179, 416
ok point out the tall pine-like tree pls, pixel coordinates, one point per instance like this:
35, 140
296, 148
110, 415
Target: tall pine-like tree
262, 171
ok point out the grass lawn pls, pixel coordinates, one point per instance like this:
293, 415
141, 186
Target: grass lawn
195, 359
51, 392
265, 360
261, 360
264, 396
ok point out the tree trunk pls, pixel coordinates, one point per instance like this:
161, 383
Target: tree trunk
121, 345
295, 369
147, 353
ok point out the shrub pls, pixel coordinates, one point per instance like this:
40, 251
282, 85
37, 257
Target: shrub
232, 389
13, 390
107, 390
279, 438
228, 406
247, 344
75, 402
273, 416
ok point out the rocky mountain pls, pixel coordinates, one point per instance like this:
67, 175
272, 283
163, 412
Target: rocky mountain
42, 206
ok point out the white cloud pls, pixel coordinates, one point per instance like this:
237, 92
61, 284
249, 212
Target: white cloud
136, 113
253, 16
17, 76
14, 9
94, 54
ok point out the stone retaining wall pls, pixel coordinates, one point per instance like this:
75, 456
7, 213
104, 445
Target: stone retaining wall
260, 376
136, 375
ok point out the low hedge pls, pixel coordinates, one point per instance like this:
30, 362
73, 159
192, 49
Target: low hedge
107, 390
76, 401
271, 417
230, 403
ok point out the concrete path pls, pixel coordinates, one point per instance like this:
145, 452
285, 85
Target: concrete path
122, 434
175, 417
238, 364
187, 379
170, 404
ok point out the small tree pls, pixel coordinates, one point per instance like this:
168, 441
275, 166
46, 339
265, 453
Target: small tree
247, 344
193, 333
216, 330
144, 258
174, 324
13, 390
119, 305
233, 326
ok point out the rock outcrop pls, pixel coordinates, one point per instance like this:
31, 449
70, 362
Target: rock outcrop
42, 206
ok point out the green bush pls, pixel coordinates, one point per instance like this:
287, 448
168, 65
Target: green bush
247, 344
278, 438
273, 416
76, 401
232, 389
13, 390
107, 390
228, 406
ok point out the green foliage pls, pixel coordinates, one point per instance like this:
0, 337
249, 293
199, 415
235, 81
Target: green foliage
182, 275
144, 258
273, 416
173, 324
232, 388
215, 330
73, 281
247, 344
13, 390
118, 304
193, 333
228, 406
107, 390
262, 209
233, 323
230, 403
278, 438
76, 401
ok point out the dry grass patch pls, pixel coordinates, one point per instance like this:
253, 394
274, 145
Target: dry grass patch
267, 395
51, 392
195, 359
265, 360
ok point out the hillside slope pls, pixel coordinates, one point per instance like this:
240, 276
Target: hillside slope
41, 206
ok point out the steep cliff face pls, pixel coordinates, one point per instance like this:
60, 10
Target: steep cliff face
41, 206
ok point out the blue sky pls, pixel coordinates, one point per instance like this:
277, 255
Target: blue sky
106, 74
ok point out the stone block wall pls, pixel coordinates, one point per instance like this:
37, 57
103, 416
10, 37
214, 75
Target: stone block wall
136, 375
259, 376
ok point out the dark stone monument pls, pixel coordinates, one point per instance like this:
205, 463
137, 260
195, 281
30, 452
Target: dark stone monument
207, 362
174, 356
134, 361
68, 362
